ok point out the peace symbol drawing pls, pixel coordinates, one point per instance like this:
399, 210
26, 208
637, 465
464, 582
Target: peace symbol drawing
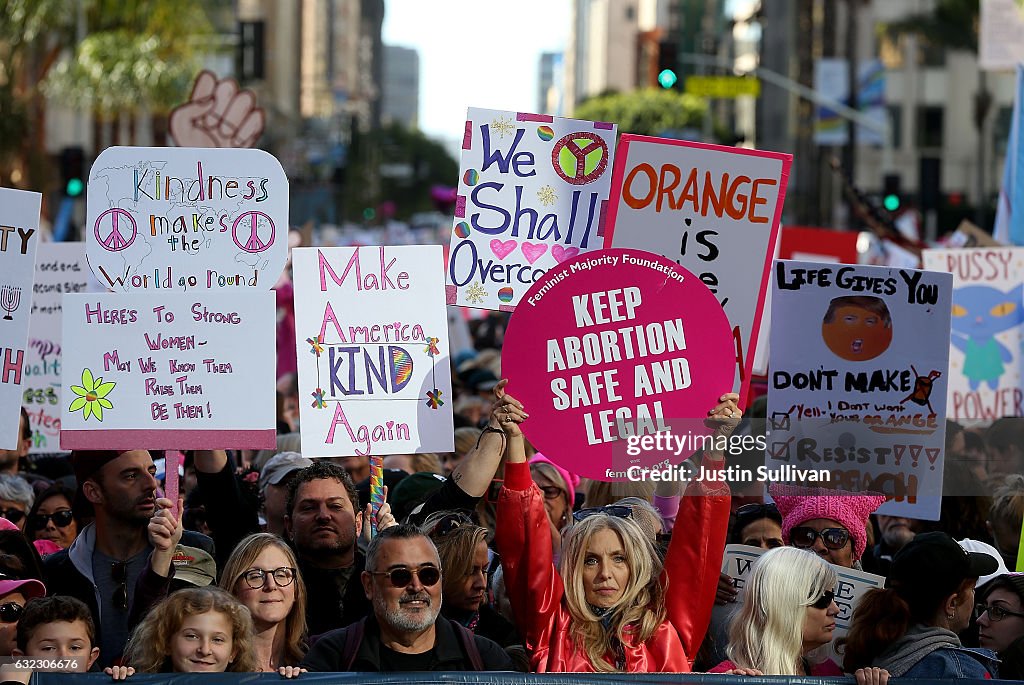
580, 158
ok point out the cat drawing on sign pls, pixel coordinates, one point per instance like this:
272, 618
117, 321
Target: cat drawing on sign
979, 313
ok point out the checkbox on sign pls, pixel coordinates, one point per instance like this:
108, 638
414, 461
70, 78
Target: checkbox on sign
780, 421
780, 450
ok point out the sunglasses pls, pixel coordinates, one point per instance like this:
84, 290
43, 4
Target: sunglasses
617, 510
552, 491
257, 577
12, 515
119, 574
402, 577
832, 538
11, 612
448, 523
995, 613
825, 601
61, 519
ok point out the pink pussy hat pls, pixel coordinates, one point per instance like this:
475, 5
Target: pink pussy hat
571, 479
851, 509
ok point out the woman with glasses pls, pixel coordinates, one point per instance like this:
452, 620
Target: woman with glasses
830, 523
16, 498
910, 628
465, 562
262, 573
612, 606
51, 517
559, 489
788, 611
1000, 612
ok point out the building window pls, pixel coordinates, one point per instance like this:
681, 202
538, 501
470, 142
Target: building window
895, 113
930, 54
630, 13
929, 126
1001, 128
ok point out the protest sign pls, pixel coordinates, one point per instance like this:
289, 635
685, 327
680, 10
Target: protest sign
713, 209
614, 344
184, 219
738, 564
532, 194
371, 328
60, 268
168, 371
985, 352
858, 380
19, 239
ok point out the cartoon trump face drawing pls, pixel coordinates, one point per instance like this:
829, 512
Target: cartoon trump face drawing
857, 328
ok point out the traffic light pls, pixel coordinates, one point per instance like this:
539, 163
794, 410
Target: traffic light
72, 171
668, 74
891, 196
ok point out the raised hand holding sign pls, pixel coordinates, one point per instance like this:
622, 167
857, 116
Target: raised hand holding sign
217, 114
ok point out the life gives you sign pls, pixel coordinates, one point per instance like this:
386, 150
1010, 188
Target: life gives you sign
371, 330
858, 373
532, 194
180, 219
168, 371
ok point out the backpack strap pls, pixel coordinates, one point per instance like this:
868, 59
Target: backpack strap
468, 640
353, 638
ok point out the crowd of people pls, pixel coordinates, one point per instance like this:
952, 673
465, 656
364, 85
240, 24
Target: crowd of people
495, 557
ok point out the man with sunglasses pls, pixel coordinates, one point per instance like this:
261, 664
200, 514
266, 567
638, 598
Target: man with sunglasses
103, 565
402, 580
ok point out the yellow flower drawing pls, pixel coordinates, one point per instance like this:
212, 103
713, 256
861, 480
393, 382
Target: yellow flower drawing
92, 396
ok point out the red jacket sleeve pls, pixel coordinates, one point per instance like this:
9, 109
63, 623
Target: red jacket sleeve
693, 562
523, 539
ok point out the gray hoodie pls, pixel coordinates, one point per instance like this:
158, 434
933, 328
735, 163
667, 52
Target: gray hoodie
920, 642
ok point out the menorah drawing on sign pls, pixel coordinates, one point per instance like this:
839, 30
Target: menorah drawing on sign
10, 299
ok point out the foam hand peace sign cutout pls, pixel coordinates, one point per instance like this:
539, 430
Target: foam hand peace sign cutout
217, 114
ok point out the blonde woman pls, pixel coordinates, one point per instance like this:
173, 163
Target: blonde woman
263, 574
611, 607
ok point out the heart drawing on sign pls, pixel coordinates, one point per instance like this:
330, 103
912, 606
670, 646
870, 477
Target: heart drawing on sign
534, 252
563, 253
503, 249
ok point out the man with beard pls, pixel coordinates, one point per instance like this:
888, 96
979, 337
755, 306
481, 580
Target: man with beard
104, 562
402, 580
322, 519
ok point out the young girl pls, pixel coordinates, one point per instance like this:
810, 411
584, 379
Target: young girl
205, 630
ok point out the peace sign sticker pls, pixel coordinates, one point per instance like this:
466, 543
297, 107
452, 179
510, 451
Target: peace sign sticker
580, 158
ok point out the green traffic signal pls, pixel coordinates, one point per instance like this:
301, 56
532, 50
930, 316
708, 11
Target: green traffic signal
891, 202
667, 78
75, 187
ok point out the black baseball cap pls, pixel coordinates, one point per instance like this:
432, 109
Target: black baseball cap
935, 564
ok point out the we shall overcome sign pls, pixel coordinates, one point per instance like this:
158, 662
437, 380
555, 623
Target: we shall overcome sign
19, 238
712, 209
168, 371
180, 219
858, 379
371, 329
613, 344
532, 195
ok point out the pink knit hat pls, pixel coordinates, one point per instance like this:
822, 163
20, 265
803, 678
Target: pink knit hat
798, 504
571, 479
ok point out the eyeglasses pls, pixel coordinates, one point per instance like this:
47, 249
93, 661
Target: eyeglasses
257, 577
825, 601
832, 538
119, 574
617, 510
755, 509
995, 613
552, 491
446, 524
402, 577
12, 515
61, 519
11, 612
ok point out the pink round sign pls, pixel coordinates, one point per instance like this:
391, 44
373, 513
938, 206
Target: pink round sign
611, 346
